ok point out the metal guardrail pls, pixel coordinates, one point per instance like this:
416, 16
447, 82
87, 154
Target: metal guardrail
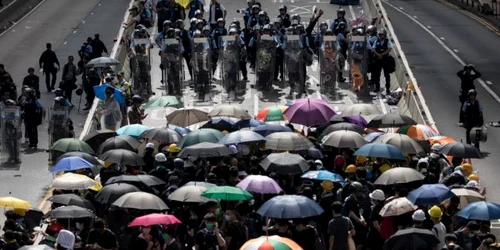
119, 52
488, 9
412, 103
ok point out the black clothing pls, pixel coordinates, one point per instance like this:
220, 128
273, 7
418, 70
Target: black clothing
218, 13
33, 81
473, 117
306, 238
177, 12
237, 232
379, 64
467, 80
106, 240
97, 48
47, 62
206, 240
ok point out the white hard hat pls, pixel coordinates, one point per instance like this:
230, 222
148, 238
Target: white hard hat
436, 147
150, 145
160, 157
377, 195
65, 239
418, 215
472, 184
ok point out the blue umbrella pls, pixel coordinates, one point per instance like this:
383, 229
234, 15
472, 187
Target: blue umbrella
290, 207
430, 194
71, 163
100, 92
380, 150
373, 136
134, 130
247, 123
311, 153
220, 124
178, 129
241, 136
323, 175
267, 129
481, 210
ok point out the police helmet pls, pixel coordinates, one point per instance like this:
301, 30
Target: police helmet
9, 102
289, 30
237, 23
255, 6
220, 20
356, 187
57, 92
267, 27
59, 100
382, 32
233, 31
472, 92
198, 12
193, 21
329, 32
359, 31
341, 26
141, 27
197, 33
300, 27
171, 32
282, 7
323, 26
233, 26
137, 99
167, 24
262, 13
250, 1
468, 67
371, 29
199, 21
278, 20
341, 11
177, 32
179, 23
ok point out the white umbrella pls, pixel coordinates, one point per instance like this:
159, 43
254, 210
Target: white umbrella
343, 139
102, 62
189, 194
405, 143
287, 141
141, 201
187, 117
397, 207
360, 109
230, 111
70, 181
467, 196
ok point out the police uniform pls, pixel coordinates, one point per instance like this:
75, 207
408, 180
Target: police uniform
379, 64
177, 12
336, 22
473, 117
218, 12
285, 20
194, 5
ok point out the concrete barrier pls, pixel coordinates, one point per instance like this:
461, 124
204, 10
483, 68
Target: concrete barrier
14, 11
412, 103
119, 52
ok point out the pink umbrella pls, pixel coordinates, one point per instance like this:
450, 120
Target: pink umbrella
154, 219
309, 112
260, 184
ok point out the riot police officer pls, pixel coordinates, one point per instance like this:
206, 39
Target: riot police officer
253, 19
467, 77
163, 34
263, 18
285, 17
219, 31
193, 6
473, 115
33, 114
340, 18
192, 26
381, 50
243, 54
58, 124
186, 44
11, 134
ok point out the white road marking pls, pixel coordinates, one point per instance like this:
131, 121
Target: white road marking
319, 1
489, 83
428, 26
442, 38
382, 104
351, 10
293, 1
401, 8
74, 31
302, 8
414, 16
65, 42
453, 54
255, 104
456, 51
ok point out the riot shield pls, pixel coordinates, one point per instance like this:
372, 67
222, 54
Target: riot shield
358, 62
265, 62
58, 127
173, 66
142, 67
202, 65
11, 135
230, 62
328, 65
294, 64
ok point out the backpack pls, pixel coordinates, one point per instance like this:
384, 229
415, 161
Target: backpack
435, 165
38, 113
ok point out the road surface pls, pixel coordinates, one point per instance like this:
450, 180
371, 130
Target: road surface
438, 40
66, 24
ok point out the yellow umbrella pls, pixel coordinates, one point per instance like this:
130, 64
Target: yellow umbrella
70, 181
12, 202
97, 187
184, 3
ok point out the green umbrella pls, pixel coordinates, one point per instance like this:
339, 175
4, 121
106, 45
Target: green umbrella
201, 135
72, 145
227, 193
164, 101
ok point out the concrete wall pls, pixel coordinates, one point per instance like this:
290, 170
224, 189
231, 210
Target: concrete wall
412, 103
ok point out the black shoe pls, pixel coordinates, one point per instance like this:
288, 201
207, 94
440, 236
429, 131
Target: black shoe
87, 108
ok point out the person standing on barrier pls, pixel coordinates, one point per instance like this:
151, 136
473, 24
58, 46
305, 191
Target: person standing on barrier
381, 50
467, 77
473, 115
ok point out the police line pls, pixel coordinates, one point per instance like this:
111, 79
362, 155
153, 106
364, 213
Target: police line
412, 102
119, 52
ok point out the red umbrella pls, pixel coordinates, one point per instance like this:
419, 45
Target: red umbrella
154, 219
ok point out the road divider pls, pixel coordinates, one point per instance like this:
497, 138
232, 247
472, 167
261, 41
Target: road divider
412, 102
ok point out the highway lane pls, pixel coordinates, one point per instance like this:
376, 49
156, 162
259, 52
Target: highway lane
65, 24
437, 40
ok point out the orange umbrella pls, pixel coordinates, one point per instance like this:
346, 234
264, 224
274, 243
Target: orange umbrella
419, 132
440, 139
272, 114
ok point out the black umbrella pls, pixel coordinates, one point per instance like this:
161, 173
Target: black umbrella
284, 163
411, 239
341, 126
123, 157
110, 193
72, 199
96, 138
205, 150
219, 124
164, 135
148, 180
461, 150
337, 119
70, 212
119, 142
390, 120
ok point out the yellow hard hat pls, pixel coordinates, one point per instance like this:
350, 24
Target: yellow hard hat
467, 167
473, 177
350, 169
361, 160
173, 148
435, 212
327, 185
107, 164
19, 211
384, 167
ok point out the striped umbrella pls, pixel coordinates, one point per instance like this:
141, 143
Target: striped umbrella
272, 114
441, 140
419, 132
270, 243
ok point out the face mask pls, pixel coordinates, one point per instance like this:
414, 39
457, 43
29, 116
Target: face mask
209, 225
298, 229
146, 230
227, 217
165, 237
471, 235
79, 226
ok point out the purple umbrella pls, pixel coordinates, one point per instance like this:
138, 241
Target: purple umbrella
309, 112
260, 184
356, 119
